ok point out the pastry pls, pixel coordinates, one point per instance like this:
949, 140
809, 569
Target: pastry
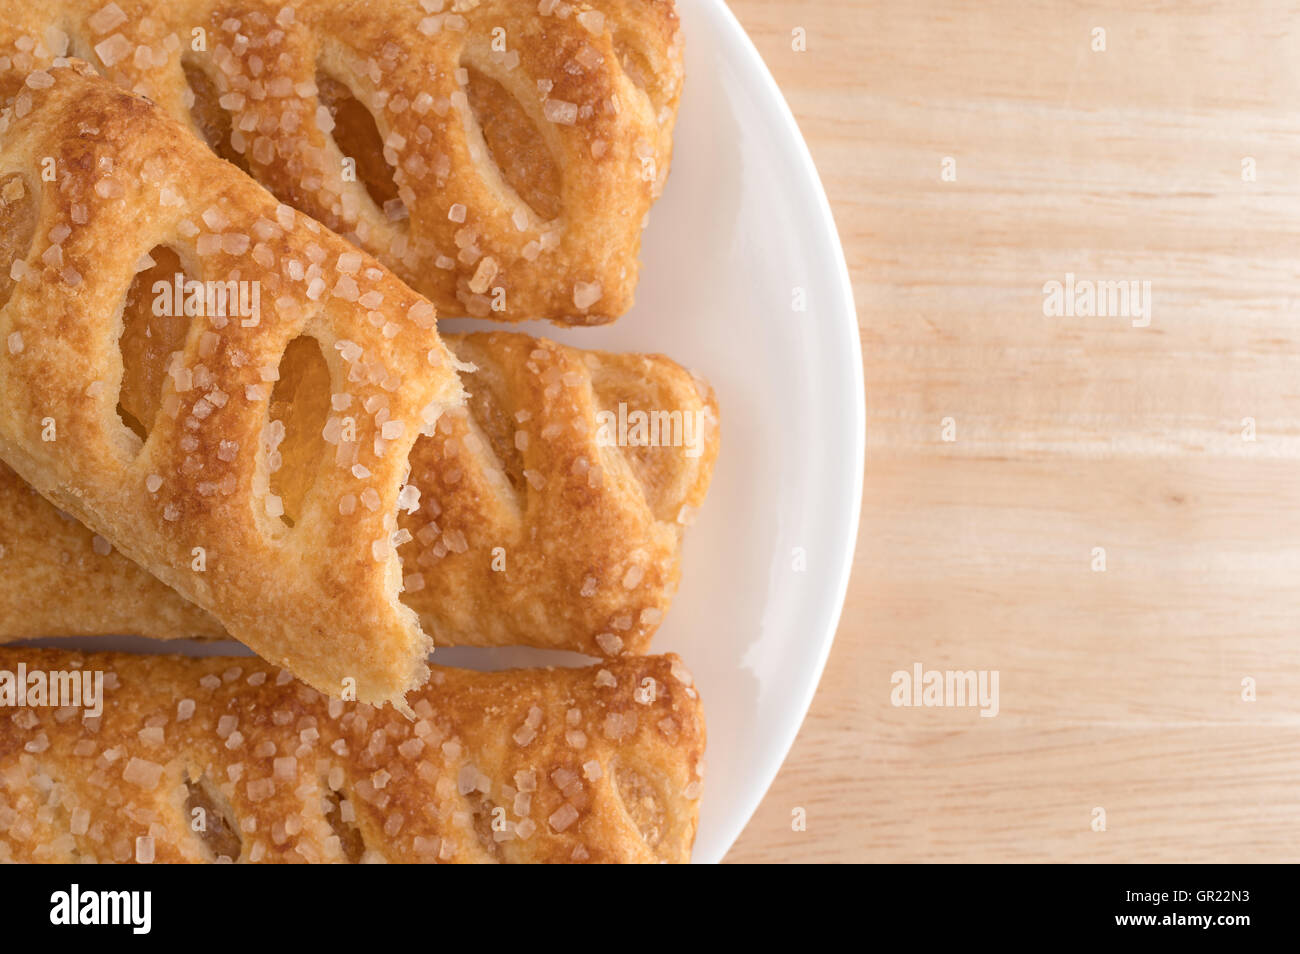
546, 518
171, 339
531, 529
226, 759
59, 579
500, 156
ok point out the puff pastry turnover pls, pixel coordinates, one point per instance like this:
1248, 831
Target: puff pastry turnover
600, 764
499, 155
191, 459
534, 526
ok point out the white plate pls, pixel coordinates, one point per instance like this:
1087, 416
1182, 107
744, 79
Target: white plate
742, 223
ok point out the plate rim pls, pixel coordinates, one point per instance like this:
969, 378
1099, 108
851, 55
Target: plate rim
729, 30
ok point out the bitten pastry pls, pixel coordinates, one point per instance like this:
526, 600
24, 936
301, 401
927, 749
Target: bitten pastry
500, 156
253, 321
601, 764
541, 521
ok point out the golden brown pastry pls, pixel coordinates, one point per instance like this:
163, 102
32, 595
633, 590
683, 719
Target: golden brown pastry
500, 156
530, 530
171, 338
59, 579
537, 525
601, 764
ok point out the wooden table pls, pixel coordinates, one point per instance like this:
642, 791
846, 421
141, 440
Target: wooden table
1120, 689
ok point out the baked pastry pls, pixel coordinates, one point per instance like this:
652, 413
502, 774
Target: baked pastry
499, 155
172, 339
544, 520
536, 765
59, 579
532, 529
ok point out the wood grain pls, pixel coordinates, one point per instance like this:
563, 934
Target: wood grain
1121, 689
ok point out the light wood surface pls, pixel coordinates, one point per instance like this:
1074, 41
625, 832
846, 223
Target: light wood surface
1122, 689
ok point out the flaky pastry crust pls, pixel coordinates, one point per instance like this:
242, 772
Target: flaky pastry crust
530, 530
601, 764
505, 152
175, 459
